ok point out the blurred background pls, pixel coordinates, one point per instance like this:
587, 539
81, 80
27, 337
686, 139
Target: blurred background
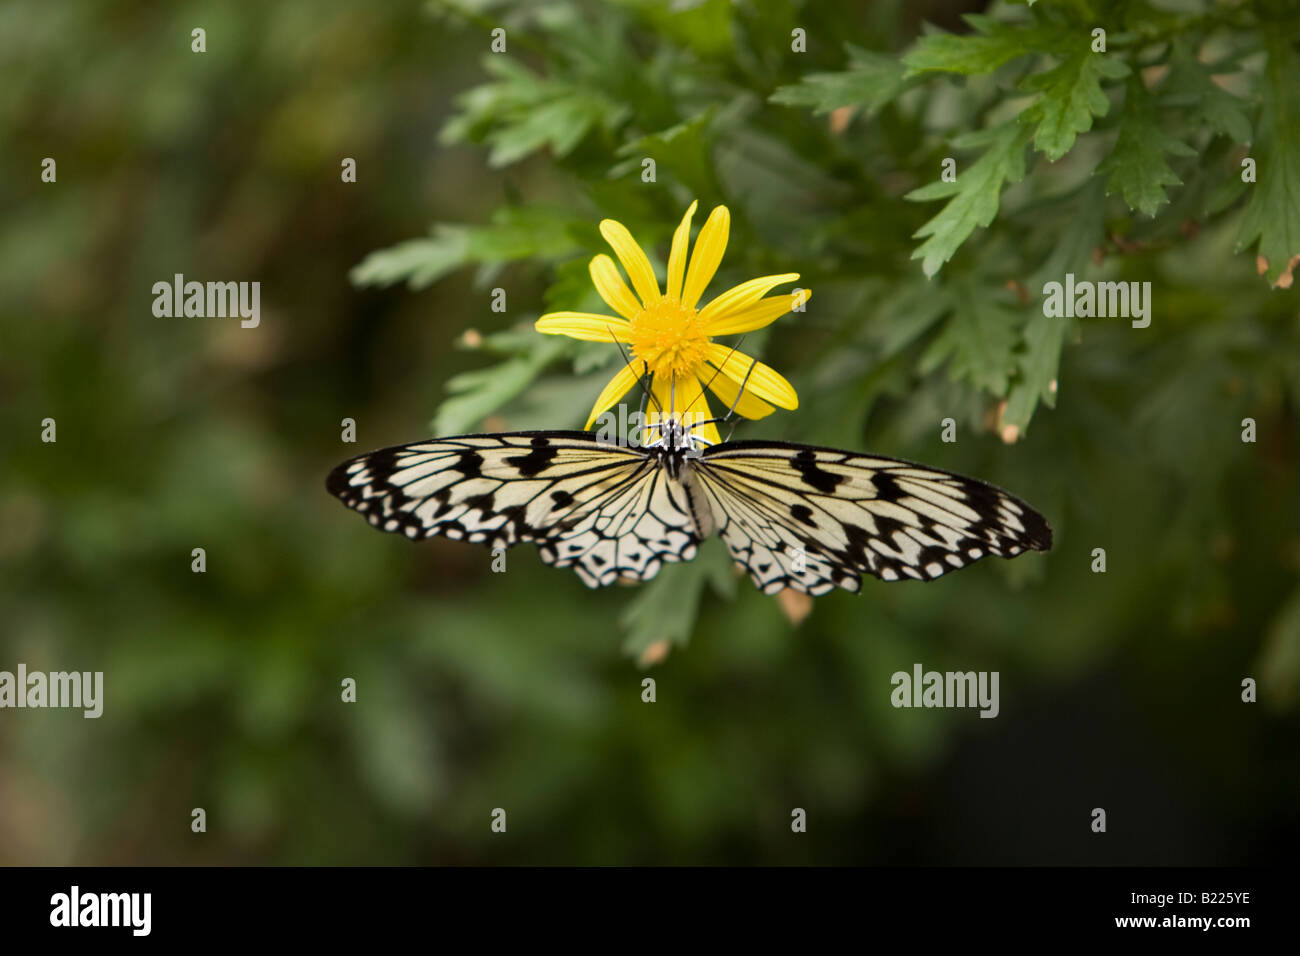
523, 691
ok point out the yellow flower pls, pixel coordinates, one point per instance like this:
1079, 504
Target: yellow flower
671, 336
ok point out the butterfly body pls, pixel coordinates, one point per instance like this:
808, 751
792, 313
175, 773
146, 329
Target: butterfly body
797, 516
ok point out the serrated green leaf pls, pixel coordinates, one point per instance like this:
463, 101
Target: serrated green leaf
516, 232
1071, 97
418, 262
516, 89
1136, 165
522, 113
976, 341
1273, 212
561, 124
975, 195
682, 150
1079, 230
524, 232
993, 44
871, 81
1044, 338
908, 313
1190, 85
477, 394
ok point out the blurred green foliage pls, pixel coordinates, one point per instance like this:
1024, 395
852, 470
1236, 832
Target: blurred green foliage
479, 690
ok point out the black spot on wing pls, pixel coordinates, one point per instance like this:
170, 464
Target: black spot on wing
803, 513
532, 464
806, 464
469, 464
886, 487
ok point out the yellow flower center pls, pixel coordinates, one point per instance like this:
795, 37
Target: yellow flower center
670, 339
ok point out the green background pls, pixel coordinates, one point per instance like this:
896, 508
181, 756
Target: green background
522, 690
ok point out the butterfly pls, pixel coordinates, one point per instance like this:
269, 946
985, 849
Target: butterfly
794, 516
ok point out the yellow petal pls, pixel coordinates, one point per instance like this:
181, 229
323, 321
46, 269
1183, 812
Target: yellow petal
709, 247
634, 260
618, 387
764, 381
749, 405
612, 288
677, 257
687, 402
761, 313
586, 326
742, 296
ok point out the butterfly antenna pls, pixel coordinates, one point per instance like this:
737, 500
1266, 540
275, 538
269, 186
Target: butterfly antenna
716, 373
741, 391
646, 392
645, 388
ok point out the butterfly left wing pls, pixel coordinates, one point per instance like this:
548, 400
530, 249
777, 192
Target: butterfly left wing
814, 519
605, 510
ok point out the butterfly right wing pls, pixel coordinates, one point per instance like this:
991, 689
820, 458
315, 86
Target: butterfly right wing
814, 519
607, 511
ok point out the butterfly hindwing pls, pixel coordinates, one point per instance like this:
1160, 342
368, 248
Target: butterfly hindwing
815, 518
607, 511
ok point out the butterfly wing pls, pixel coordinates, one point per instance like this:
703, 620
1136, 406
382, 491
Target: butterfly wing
814, 519
605, 510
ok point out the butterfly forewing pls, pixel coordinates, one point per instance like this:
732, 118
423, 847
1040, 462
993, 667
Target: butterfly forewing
815, 518
607, 511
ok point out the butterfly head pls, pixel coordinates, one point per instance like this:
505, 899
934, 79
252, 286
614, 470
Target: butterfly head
674, 441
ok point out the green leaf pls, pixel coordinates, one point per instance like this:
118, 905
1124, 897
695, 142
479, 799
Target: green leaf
1044, 338
682, 151
1071, 97
1078, 229
977, 341
871, 81
992, 45
975, 193
524, 112
418, 262
1071, 91
701, 25
1273, 212
561, 124
488, 104
479, 393
907, 314
1136, 165
1190, 85
665, 609
517, 232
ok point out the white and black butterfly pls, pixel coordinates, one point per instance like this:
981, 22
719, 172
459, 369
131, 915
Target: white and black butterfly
793, 516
